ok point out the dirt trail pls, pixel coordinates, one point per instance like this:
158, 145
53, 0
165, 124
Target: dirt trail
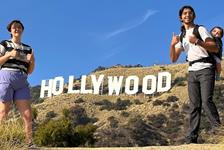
180, 147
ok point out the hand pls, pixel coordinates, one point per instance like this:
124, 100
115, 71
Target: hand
192, 39
13, 53
175, 39
30, 57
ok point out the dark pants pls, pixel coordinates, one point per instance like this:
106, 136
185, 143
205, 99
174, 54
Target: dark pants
200, 90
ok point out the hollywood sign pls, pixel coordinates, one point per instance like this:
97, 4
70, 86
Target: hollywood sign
150, 84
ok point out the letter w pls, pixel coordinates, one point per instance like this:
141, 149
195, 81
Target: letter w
114, 84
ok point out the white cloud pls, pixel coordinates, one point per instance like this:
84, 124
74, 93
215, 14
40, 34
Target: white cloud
133, 25
112, 52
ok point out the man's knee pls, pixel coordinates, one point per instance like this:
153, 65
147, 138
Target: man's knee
27, 116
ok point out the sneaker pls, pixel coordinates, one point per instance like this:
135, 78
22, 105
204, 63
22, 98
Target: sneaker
31, 145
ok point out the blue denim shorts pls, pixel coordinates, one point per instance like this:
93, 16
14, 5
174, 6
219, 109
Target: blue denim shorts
13, 86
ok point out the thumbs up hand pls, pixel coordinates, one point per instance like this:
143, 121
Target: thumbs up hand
175, 39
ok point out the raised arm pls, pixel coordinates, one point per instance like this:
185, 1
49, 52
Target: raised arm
174, 51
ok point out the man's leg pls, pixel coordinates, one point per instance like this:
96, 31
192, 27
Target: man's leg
207, 80
195, 108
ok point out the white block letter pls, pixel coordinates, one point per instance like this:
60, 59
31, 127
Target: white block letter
128, 84
163, 86
58, 85
146, 80
83, 86
70, 85
47, 88
96, 84
114, 84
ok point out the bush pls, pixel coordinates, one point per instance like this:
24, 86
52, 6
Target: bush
53, 133
114, 137
85, 134
99, 68
34, 113
157, 102
78, 115
134, 119
121, 104
179, 81
132, 66
172, 99
135, 133
51, 114
124, 114
61, 133
65, 113
118, 105
79, 100
137, 102
105, 104
165, 104
35, 93
113, 122
158, 120
175, 106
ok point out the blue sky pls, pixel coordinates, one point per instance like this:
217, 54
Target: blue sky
73, 37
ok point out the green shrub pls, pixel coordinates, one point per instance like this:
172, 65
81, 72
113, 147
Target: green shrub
62, 133
137, 102
79, 100
113, 122
105, 104
34, 113
65, 112
124, 114
40, 100
118, 105
53, 133
157, 102
172, 99
121, 104
51, 114
85, 134
77, 115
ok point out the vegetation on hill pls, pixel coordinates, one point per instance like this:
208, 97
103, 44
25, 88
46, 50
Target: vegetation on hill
124, 120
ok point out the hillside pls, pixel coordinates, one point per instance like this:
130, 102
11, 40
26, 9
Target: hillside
137, 120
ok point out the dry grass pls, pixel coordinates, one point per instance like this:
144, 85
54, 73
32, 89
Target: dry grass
11, 135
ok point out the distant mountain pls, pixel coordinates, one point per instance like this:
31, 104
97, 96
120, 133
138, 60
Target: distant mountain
35, 93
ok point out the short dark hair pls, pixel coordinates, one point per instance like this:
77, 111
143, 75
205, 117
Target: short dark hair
12, 22
218, 27
187, 7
